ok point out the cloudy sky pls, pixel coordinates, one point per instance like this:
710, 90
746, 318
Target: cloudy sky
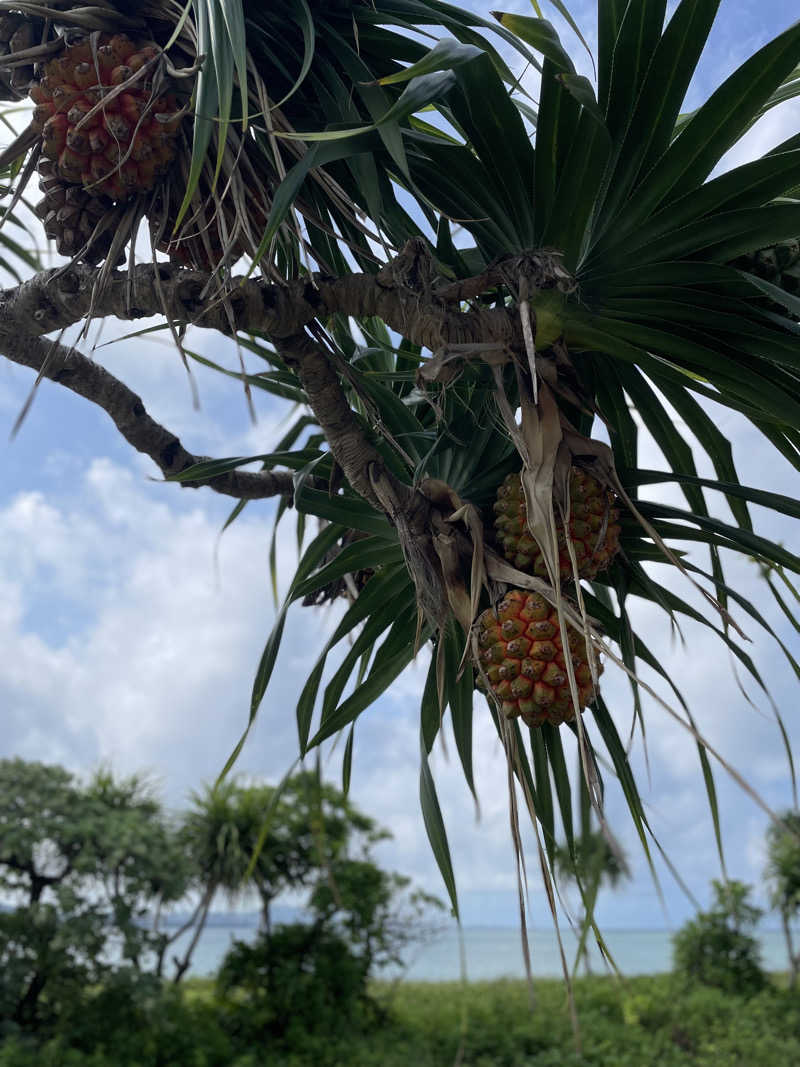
130, 632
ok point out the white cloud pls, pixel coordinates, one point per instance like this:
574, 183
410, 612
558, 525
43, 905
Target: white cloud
160, 671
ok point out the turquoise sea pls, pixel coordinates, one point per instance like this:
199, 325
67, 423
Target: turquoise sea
493, 952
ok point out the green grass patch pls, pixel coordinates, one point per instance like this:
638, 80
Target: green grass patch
631, 1023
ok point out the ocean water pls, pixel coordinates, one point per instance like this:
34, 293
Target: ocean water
493, 952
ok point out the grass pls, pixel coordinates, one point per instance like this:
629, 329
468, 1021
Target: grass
637, 1022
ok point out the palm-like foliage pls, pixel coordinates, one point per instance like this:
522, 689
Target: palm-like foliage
659, 308
645, 305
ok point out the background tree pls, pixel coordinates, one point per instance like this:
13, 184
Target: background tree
717, 947
266, 840
376, 911
311, 976
140, 860
600, 277
92, 867
783, 874
85, 867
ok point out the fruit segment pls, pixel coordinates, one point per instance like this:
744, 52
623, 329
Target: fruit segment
593, 528
114, 143
523, 659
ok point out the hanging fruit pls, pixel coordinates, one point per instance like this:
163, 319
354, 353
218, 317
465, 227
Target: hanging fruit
593, 528
522, 657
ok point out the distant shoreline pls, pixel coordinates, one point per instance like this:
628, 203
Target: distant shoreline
250, 920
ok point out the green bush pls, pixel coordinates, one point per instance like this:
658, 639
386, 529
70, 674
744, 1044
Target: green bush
132, 1020
137, 1019
717, 948
301, 980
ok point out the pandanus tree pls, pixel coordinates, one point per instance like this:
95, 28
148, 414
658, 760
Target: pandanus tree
466, 287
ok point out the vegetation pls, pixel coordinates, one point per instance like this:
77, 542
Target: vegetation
630, 1024
438, 242
84, 865
458, 275
268, 841
717, 947
91, 870
94, 867
783, 874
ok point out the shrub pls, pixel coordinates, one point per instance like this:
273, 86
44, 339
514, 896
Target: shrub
131, 1020
299, 980
717, 948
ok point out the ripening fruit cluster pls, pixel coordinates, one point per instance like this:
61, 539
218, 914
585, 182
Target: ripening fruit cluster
523, 658
112, 141
593, 528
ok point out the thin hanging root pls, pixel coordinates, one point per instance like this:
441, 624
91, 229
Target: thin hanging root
508, 739
500, 571
513, 764
470, 516
602, 453
527, 333
21, 143
440, 679
651, 532
24, 177
588, 640
516, 840
587, 764
176, 332
509, 421
26, 407
541, 435
418, 631
512, 757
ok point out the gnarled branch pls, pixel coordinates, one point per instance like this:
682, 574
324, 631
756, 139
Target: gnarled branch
88, 379
404, 294
401, 294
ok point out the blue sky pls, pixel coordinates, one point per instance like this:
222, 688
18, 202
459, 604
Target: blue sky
129, 632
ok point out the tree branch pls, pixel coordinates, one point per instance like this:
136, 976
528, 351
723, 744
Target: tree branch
88, 379
345, 437
401, 294
407, 508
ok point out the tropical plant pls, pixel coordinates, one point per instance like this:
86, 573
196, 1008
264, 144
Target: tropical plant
265, 840
717, 947
783, 874
83, 868
456, 284
312, 975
